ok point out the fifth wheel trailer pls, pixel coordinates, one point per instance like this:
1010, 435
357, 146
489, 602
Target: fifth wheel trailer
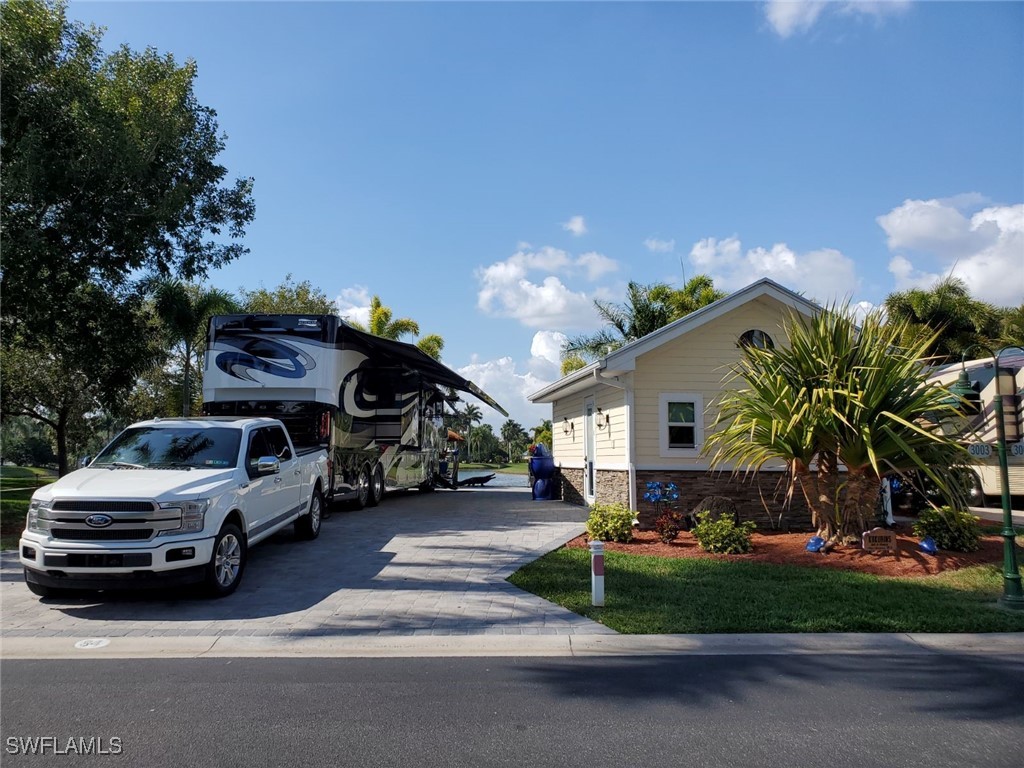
374, 403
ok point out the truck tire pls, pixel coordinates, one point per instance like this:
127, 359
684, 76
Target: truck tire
308, 525
226, 566
376, 486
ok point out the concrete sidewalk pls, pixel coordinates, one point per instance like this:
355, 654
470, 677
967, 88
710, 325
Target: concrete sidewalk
1009, 645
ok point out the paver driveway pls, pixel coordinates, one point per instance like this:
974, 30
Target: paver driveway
420, 564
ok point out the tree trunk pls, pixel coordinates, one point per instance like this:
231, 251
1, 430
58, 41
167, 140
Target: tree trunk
859, 504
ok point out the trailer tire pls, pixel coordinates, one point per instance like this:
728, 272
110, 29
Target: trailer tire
376, 486
362, 496
227, 564
307, 527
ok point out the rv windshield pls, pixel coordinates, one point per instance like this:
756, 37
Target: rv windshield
172, 447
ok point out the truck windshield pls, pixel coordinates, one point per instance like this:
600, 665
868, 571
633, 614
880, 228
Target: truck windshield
198, 447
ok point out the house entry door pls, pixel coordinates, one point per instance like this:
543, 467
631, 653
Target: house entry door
590, 449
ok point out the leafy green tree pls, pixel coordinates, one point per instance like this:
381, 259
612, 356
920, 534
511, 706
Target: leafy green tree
949, 313
59, 384
184, 311
646, 309
288, 298
542, 433
840, 394
109, 170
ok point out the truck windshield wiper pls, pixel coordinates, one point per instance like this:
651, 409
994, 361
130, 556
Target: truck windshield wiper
171, 465
123, 465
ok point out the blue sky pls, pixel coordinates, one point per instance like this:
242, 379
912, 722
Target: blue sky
489, 169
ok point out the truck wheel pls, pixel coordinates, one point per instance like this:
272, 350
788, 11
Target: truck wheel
308, 526
362, 488
44, 591
376, 486
225, 569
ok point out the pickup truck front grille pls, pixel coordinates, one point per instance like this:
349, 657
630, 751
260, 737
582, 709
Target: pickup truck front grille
71, 505
130, 520
116, 534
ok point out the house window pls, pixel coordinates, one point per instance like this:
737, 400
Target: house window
681, 417
757, 339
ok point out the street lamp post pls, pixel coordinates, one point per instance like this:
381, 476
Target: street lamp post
1013, 596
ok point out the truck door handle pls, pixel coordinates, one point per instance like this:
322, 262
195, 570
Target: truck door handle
298, 471
277, 480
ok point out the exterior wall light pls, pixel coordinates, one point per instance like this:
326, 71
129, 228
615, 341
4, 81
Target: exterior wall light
603, 419
568, 427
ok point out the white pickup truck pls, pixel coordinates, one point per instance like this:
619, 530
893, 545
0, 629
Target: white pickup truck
170, 502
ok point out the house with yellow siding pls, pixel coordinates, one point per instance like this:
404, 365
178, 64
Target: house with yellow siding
643, 412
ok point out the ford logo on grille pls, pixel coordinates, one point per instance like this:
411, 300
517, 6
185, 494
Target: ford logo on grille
99, 521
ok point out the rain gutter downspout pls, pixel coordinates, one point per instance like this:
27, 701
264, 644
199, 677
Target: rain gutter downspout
613, 381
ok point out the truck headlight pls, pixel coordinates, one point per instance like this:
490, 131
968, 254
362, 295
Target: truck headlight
37, 519
193, 515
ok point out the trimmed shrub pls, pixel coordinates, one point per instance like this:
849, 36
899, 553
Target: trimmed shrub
952, 529
669, 525
723, 536
610, 522
718, 506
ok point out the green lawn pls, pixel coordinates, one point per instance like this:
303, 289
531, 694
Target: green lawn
16, 487
652, 595
519, 468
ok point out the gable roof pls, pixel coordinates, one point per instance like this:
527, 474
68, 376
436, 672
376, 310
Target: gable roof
624, 358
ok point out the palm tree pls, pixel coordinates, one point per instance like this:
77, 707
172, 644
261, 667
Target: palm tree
845, 395
473, 416
646, 309
948, 312
184, 310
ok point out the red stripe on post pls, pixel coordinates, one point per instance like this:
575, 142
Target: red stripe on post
598, 561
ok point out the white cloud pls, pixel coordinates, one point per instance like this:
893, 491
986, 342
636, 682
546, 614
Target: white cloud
547, 345
986, 251
576, 225
354, 305
502, 380
509, 289
596, 264
824, 275
654, 245
788, 17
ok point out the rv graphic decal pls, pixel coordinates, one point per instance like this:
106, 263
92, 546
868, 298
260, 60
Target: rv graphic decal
255, 353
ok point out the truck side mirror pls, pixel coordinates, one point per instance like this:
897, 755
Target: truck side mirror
267, 465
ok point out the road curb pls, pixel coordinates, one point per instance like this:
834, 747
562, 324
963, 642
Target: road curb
996, 644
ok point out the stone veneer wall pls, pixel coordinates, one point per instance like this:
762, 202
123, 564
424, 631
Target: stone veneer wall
613, 486
746, 492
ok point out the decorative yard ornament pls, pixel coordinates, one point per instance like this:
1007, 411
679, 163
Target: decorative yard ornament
928, 545
815, 544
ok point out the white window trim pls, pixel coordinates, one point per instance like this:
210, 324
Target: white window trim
698, 428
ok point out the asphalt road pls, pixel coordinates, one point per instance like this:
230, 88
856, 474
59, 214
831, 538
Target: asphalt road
932, 710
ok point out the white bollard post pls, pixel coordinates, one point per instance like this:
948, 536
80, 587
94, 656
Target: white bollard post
597, 573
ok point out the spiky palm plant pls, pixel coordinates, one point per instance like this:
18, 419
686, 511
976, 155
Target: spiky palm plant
839, 395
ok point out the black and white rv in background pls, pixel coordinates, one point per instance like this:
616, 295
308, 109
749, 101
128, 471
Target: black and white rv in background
376, 404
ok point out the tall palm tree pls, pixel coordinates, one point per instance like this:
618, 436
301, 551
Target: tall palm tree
948, 312
514, 436
184, 310
473, 416
698, 292
839, 394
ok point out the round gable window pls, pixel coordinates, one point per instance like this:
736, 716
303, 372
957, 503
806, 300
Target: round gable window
757, 339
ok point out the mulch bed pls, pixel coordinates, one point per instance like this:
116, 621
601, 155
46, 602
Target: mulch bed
789, 549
